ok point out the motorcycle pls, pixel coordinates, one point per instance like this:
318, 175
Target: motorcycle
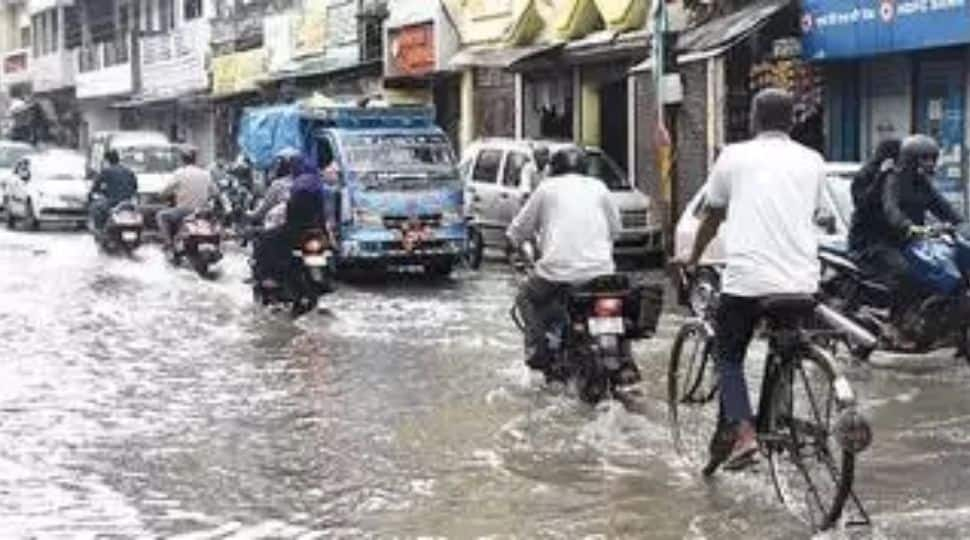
234, 200
593, 327
309, 275
939, 321
199, 240
123, 230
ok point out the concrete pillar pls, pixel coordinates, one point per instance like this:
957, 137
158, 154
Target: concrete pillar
591, 129
466, 131
519, 107
631, 128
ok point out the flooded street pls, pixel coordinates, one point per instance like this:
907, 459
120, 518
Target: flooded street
138, 401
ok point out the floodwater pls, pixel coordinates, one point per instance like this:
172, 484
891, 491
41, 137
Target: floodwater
139, 401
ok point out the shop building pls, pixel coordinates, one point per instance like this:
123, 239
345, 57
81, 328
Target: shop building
893, 69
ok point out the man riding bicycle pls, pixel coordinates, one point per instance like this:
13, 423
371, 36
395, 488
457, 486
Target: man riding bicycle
765, 191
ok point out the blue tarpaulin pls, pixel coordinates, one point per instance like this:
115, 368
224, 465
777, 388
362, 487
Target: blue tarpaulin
264, 131
852, 28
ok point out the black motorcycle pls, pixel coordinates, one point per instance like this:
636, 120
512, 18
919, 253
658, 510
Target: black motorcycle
908, 327
593, 326
234, 201
198, 241
123, 230
309, 274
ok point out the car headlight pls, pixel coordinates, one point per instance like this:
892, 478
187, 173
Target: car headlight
366, 218
452, 217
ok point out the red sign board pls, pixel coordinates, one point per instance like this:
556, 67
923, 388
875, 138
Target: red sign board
412, 49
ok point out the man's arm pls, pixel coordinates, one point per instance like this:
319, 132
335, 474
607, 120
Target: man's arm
710, 223
526, 223
613, 219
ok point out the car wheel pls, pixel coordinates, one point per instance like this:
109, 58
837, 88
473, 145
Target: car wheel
33, 223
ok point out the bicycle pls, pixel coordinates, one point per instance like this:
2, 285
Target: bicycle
808, 425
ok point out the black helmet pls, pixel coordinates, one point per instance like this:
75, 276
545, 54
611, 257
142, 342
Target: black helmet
919, 153
188, 154
568, 160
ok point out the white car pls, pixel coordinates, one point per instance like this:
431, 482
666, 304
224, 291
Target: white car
48, 187
10, 152
833, 222
496, 174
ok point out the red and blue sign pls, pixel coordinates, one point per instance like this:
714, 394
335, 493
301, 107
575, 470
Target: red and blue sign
834, 29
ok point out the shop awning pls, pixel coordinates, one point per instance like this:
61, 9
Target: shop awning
504, 58
715, 36
608, 45
316, 67
148, 101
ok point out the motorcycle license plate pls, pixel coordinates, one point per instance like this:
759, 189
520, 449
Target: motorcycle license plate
601, 326
207, 247
315, 260
129, 236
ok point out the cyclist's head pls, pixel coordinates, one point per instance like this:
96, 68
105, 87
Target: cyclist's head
188, 155
111, 156
772, 109
568, 160
919, 153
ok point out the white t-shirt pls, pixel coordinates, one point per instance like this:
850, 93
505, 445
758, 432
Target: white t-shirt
576, 221
771, 187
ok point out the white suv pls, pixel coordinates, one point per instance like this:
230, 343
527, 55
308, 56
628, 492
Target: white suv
496, 187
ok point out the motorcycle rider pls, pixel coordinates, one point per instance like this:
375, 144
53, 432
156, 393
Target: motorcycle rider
116, 184
191, 187
287, 160
907, 197
767, 206
868, 219
576, 222
305, 209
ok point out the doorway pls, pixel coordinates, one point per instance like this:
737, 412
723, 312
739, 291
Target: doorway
614, 122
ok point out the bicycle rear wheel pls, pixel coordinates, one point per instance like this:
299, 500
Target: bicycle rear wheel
692, 391
811, 472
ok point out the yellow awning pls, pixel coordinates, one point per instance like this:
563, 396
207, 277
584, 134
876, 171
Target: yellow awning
579, 18
623, 15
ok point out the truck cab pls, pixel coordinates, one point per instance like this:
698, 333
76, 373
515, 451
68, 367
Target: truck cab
401, 200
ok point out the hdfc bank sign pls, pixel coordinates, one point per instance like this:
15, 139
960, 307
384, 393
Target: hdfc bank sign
411, 50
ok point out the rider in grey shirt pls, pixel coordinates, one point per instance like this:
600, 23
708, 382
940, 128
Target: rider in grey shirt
576, 222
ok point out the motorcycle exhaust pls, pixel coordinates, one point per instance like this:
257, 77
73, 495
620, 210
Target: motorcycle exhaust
854, 332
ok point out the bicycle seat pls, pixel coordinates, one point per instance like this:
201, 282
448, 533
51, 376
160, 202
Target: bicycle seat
786, 306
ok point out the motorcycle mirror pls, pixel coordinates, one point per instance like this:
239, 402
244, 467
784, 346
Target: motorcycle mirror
826, 222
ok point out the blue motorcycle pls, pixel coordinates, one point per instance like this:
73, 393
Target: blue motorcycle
940, 258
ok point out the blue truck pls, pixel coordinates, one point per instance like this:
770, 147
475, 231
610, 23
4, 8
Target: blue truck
400, 194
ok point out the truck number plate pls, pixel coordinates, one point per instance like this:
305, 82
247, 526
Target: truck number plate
129, 236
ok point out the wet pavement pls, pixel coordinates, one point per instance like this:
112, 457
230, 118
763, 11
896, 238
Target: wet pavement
139, 401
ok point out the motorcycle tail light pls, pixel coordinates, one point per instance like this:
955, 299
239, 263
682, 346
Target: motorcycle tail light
608, 307
313, 246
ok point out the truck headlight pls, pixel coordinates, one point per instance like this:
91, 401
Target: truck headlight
452, 217
367, 218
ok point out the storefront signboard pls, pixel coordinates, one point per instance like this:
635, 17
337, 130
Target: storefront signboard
846, 29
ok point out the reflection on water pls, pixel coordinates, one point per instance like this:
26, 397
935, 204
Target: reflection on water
140, 401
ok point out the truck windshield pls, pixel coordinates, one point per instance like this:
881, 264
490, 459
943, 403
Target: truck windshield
407, 154
149, 159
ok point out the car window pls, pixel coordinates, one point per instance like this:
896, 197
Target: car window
512, 173
10, 154
699, 207
486, 167
603, 168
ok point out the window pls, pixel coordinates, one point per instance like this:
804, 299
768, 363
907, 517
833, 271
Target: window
25, 37
148, 22
486, 167
72, 28
35, 23
166, 15
191, 9
55, 27
512, 175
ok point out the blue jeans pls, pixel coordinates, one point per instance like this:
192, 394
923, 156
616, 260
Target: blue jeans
736, 320
99, 211
169, 221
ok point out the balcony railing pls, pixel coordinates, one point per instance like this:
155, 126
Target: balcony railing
103, 55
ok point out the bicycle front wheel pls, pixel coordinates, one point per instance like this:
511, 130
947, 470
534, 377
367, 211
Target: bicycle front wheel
692, 391
811, 472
